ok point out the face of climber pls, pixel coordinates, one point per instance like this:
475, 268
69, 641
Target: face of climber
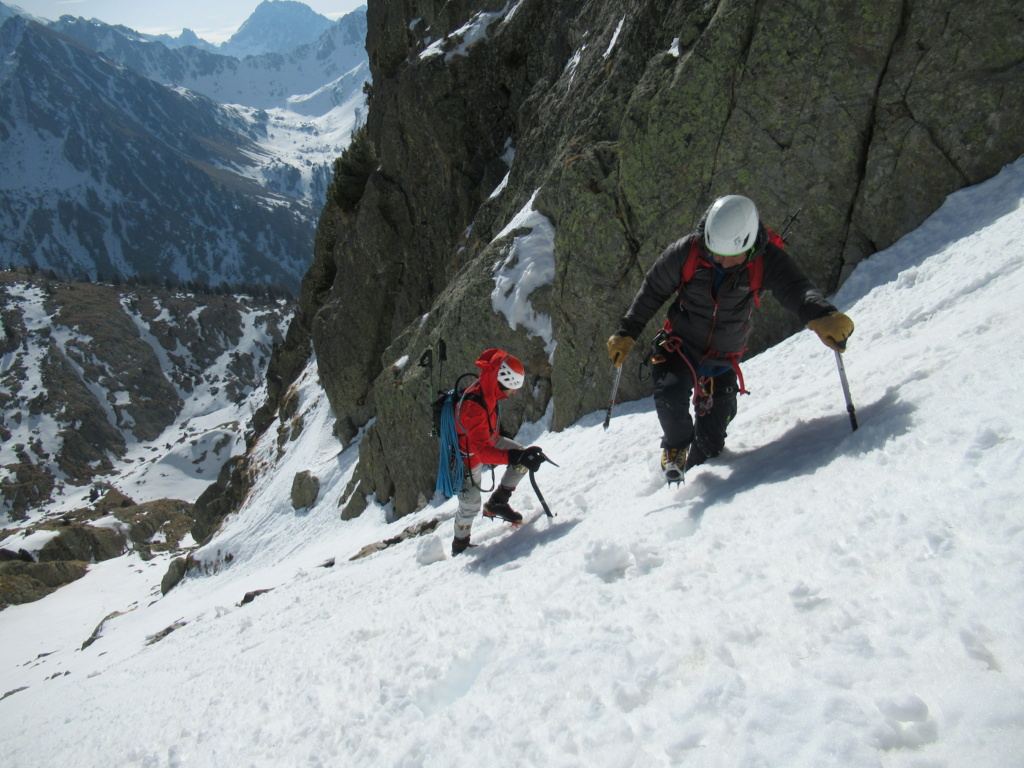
728, 262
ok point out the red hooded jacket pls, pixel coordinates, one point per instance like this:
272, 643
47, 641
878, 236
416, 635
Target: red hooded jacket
478, 425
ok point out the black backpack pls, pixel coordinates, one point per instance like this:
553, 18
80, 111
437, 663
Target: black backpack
453, 396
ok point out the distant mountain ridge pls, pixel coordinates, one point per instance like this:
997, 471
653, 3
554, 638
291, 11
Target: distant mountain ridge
275, 26
105, 172
8, 11
263, 81
109, 167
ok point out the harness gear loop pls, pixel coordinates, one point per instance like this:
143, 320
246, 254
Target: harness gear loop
703, 386
735, 360
703, 395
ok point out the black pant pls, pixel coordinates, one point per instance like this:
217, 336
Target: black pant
673, 393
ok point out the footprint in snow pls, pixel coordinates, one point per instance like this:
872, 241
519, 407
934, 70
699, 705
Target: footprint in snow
976, 649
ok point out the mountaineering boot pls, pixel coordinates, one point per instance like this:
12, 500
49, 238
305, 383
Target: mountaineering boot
673, 463
695, 457
460, 545
497, 506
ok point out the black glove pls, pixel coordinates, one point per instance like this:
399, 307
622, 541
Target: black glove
531, 457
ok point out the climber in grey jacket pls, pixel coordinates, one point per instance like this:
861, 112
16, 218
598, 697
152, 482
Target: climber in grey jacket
717, 273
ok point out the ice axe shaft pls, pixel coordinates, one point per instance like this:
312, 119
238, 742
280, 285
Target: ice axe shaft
611, 400
846, 390
536, 489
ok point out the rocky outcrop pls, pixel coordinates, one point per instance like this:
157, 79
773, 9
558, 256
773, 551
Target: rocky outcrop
84, 543
112, 526
305, 489
222, 497
421, 528
156, 526
22, 582
175, 573
609, 127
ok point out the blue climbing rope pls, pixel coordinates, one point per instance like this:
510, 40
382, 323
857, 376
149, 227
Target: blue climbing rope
450, 471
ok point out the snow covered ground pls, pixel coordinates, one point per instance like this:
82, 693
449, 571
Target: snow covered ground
815, 597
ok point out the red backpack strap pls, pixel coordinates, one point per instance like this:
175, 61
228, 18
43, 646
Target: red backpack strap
755, 269
692, 261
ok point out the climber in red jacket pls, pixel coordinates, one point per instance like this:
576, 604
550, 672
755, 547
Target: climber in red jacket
478, 423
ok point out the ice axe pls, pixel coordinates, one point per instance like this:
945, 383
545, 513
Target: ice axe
611, 400
536, 490
846, 390
789, 225
427, 361
442, 355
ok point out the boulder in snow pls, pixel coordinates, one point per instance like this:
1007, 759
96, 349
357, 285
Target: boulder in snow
305, 489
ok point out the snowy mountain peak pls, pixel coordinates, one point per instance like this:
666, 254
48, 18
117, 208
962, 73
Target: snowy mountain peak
7, 11
276, 26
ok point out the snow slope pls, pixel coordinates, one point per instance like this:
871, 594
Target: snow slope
814, 597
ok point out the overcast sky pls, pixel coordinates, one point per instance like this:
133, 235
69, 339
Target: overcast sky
213, 21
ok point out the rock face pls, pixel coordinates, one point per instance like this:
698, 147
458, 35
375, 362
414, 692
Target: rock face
616, 124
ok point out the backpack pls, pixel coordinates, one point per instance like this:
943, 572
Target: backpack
755, 267
450, 469
449, 397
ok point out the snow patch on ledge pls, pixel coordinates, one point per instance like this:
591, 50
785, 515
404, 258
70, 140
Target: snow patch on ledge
615, 38
528, 264
469, 34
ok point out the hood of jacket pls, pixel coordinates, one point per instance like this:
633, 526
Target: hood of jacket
489, 362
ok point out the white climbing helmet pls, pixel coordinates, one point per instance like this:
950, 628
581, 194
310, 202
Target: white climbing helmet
511, 374
731, 225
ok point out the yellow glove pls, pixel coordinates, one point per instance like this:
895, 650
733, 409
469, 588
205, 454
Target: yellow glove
833, 330
618, 348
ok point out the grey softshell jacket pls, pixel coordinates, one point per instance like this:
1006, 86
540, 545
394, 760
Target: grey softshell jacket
716, 328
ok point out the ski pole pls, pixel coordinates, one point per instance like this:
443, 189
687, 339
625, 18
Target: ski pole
611, 400
846, 390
